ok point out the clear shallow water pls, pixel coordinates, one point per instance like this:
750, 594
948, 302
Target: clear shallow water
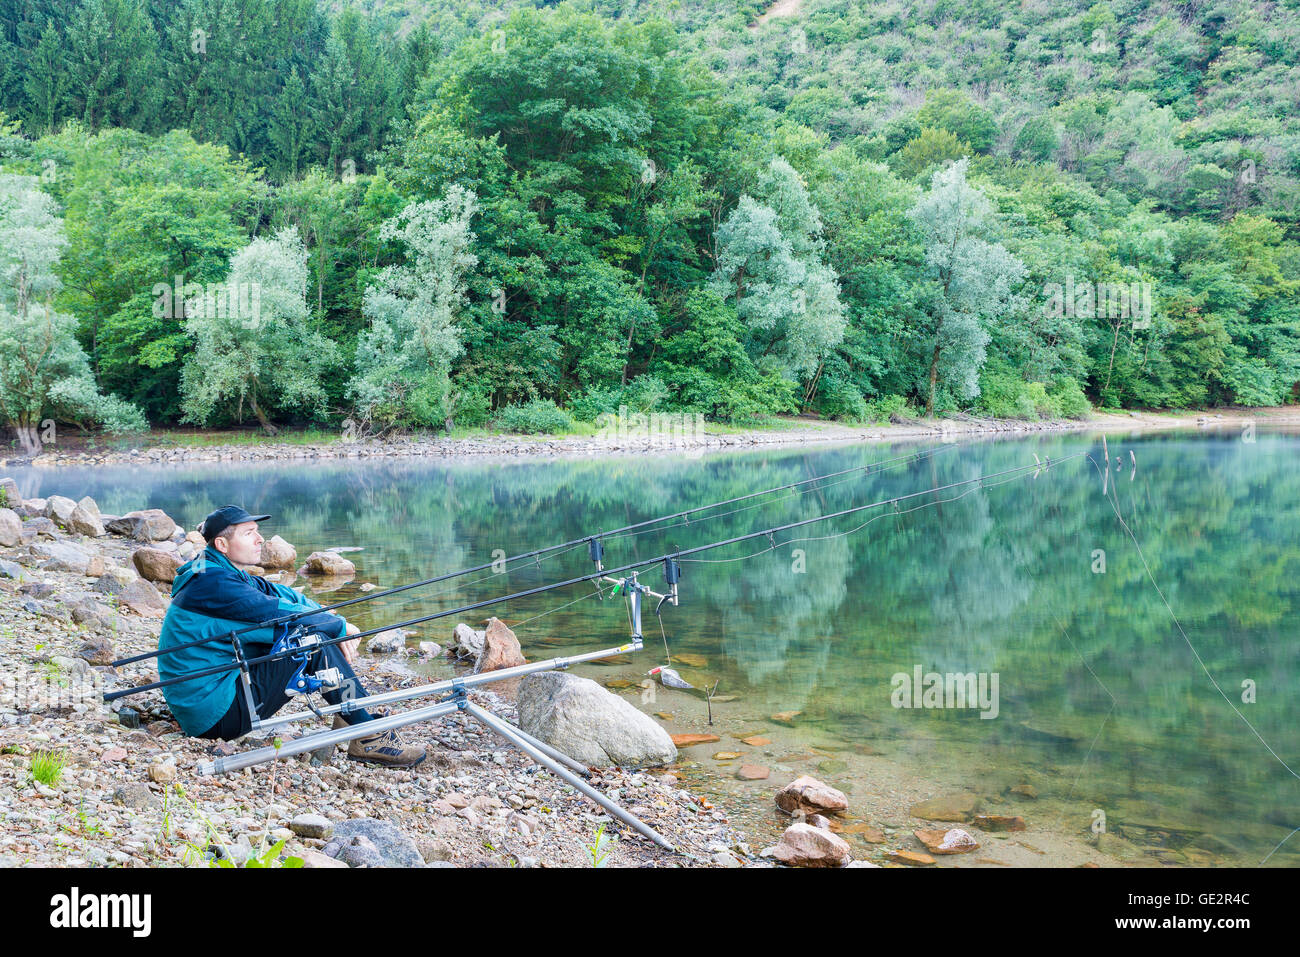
1102, 704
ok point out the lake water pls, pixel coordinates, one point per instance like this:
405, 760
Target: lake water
1177, 743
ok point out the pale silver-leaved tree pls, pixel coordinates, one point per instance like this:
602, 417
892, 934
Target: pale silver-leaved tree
769, 261
404, 359
971, 280
254, 345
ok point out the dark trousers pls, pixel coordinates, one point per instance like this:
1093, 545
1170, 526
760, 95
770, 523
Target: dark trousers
269, 680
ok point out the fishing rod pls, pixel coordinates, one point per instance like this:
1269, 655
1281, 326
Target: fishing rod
670, 560
594, 543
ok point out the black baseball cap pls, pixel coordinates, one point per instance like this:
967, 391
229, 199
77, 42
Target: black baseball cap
223, 518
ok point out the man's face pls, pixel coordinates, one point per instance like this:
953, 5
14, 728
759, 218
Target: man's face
241, 543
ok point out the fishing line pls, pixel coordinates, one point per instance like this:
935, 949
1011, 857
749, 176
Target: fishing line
1195, 653
824, 538
1179, 626
920, 456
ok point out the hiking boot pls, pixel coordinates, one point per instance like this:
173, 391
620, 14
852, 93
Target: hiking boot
385, 748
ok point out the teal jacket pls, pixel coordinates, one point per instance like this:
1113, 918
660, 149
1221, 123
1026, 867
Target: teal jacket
211, 597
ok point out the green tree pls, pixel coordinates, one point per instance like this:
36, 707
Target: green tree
143, 212
43, 370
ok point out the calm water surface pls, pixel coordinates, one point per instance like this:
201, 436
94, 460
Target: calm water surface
1103, 704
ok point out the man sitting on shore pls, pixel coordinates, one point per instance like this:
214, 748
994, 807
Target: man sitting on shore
211, 597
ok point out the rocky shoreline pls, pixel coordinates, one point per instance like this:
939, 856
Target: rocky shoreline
645, 440
79, 589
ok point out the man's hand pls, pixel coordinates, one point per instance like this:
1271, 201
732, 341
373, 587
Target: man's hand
350, 647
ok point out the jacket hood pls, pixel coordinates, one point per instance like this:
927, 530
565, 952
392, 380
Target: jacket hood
199, 563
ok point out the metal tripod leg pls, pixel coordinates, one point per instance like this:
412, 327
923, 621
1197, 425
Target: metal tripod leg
322, 739
511, 734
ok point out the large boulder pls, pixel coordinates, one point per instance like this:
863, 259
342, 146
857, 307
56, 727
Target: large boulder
589, 724
810, 796
59, 509
85, 522
277, 553
91, 506
146, 525
803, 845
500, 648
327, 563
11, 528
155, 564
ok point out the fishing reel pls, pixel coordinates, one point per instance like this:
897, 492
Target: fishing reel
299, 646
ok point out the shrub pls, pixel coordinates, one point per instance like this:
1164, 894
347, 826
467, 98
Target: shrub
1004, 395
645, 393
881, 408
589, 405
539, 415
1070, 400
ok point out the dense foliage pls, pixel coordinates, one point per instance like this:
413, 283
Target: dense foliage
449, 211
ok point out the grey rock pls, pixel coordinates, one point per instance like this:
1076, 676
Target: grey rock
74, 666
83, 522
87, 611
135, 795
48, 609
387, 642
32, 508
39, 527
142, 598
589, 724
381, 844
312, 825
11, 570
97, 651
148, 525
11, 528
467, 642
63, 557
59, 509
114, 580
9, 493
